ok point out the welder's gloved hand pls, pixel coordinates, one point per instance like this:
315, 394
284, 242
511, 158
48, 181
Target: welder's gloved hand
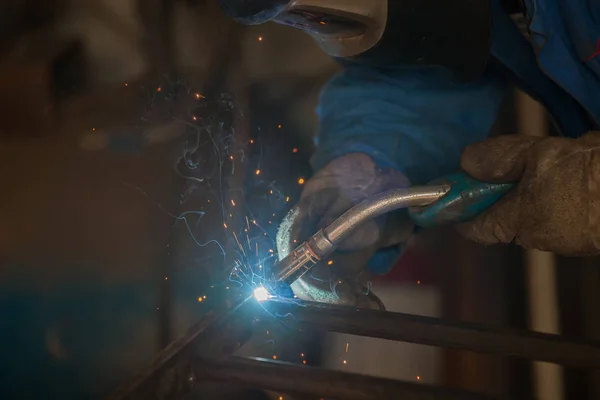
556, 205
343, 183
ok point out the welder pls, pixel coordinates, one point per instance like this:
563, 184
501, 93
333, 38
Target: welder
420, 89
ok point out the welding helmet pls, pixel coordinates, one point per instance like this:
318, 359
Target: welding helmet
385, 33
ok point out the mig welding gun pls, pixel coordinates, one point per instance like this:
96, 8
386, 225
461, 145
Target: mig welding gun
455, 198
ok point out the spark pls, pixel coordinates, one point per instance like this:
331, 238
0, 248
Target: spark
301, 354
418, 378
239, 244
418, 282
294, 150
199, 96
270, 192
330, 262
261, 294
301, 181
258, 172
231, 157
232, 202
195, 118
251, 141
287, 199
304, 362
347, 344
260, 38
93, 129
200, 299
225, 226
159, 89
166, 278
126, 84
274, 356
278, 126
345, 362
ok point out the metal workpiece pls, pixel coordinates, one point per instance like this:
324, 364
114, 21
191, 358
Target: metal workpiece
318, 382
436, 332
202, 355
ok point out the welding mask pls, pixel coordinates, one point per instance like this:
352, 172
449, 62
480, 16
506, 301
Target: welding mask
455, 34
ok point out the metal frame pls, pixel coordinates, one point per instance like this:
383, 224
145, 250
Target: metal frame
179, 367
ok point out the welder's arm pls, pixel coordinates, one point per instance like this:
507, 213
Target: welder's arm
415, 120
378, 130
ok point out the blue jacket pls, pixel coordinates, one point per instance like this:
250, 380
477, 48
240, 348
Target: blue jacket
419, 121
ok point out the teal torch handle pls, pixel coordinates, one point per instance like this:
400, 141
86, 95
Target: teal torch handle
466, 199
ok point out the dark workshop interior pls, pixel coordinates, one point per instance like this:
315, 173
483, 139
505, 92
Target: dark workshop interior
146, 145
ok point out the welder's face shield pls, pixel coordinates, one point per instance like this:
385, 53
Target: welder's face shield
386, 33
343, 28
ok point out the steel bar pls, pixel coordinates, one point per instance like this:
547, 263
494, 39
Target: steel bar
318, 382
436, 332
170, 376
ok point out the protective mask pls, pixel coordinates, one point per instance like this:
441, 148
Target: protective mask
455, 34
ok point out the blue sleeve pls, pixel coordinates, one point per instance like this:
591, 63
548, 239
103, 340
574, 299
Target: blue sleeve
416, 120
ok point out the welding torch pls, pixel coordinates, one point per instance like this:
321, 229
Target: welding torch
452, 199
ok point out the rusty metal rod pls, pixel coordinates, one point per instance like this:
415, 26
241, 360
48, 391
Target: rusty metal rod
318, 382
436, 332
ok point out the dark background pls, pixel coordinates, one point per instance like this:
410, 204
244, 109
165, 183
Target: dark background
99, 269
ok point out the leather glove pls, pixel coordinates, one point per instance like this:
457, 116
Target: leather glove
556, 205
332, 191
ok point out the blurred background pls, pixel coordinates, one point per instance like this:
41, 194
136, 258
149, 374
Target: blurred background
137, 135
